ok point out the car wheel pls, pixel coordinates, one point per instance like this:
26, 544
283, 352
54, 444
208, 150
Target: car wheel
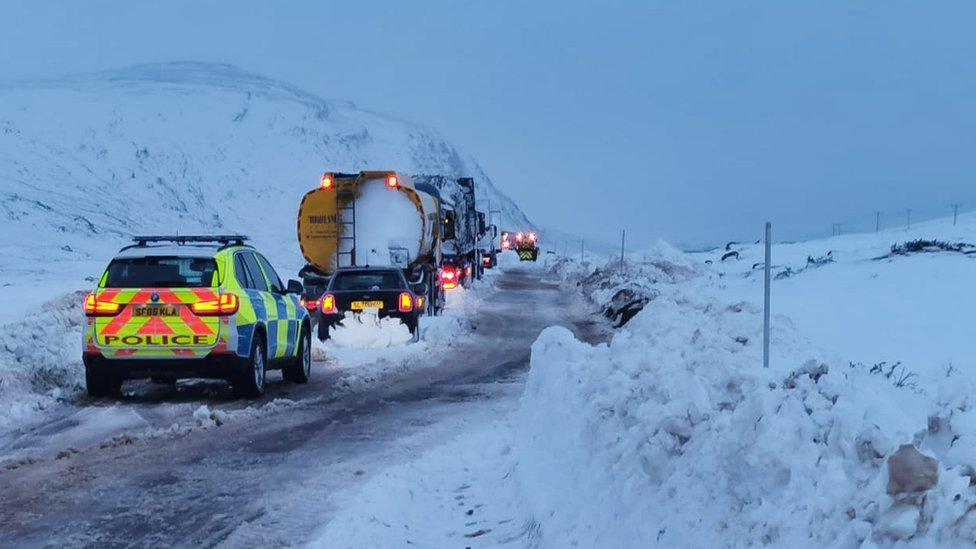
323, 330
414, 327
102, 386
250, 382
300, 371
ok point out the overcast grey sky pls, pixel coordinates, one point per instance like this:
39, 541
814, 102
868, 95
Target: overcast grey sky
694, 121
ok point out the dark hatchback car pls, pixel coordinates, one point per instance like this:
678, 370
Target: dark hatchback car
357, 289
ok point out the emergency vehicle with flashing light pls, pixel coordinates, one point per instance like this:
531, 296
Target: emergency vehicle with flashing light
171, 307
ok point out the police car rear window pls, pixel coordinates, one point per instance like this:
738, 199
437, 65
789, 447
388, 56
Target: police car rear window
385, 280
161, 272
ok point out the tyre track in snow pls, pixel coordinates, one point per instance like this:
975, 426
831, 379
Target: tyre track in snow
266, 479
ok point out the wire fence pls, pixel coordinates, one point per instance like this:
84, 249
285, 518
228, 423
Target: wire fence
881, 220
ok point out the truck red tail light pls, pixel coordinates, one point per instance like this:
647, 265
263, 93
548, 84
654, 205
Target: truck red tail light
405, 302
327, 182
448, 278
97, 307
225, 304
392, 181
328, 303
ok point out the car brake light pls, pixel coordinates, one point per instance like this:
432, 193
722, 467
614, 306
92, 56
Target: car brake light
405, 303
392, 181
225, 304
328, 304
327, 182
96, 307
420, 302
310, 304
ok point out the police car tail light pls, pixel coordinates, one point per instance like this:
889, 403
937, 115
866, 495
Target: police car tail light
329, 304
310, 304
405, 302
97, 307
225, 304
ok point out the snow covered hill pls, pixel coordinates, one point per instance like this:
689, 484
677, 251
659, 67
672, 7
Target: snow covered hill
87, 161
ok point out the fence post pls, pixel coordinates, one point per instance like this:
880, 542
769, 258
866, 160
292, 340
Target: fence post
769, 237
623, 234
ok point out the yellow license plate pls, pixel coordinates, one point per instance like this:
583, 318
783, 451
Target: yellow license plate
360, 305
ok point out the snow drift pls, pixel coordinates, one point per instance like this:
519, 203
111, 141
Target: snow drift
674, 436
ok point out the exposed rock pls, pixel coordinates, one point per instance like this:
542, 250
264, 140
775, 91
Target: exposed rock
911, 471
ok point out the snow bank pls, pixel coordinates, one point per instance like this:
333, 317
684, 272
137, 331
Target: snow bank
40, 358
368, 349
367, 330
675, 436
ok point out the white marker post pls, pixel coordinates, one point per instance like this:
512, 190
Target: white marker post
769, 238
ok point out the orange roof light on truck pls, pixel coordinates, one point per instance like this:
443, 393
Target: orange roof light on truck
327, 182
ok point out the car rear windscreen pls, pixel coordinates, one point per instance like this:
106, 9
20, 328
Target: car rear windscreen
380, 280
162, 272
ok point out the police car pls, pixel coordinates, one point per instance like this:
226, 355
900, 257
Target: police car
171, 307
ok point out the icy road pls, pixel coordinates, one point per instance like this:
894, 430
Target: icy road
244, 473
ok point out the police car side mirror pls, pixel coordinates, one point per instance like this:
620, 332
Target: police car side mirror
295, 287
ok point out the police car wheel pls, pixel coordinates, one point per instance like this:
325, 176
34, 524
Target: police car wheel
250, 382
102, 386
300, 371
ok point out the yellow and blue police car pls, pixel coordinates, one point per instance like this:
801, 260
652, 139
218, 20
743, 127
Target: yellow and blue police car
171, 307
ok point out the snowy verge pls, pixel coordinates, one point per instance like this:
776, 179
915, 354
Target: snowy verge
40, 359
674, 435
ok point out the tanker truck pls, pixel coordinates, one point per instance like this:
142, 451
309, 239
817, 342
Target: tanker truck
371, 219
